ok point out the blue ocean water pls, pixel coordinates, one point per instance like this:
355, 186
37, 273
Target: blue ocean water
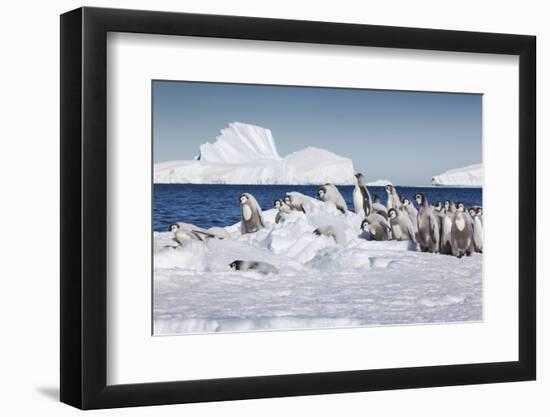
208, 205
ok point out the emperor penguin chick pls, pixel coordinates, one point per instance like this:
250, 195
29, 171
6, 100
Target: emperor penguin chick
251, 214
329, 192
428, 226
462, 241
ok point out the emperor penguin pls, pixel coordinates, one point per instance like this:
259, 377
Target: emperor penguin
361, 196
282, 209
378, 207
251, 214
401, 225
292, 204
261, 267
411, 210
428, 226
439, 213
377, 227
332, 232
446, 224
184, 232
462, 240
393, 197
329, 192
478, 230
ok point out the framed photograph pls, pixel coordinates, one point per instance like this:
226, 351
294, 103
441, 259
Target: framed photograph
258, 208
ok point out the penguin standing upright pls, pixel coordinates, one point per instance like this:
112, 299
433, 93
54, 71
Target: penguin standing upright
251, 214
401, 225
361, 196
462, 241
428, 226
329, 192
478, 230
411, 210
446, 224
393, 197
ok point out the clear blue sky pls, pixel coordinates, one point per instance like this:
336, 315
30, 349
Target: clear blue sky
406, 137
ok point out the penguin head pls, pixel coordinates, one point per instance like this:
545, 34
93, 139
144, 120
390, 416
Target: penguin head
243, 198
472, 211
236, 265
322, 191
360, 178
460, 206
392, 213
277, 203
287, 200
376, 198
364, 224
447, 204
174, 227
405, 201
437, 205
419, 197
388, 188
479, 211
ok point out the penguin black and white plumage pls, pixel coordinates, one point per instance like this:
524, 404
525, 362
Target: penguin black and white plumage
329, 192
251, 214
261, 267
377, 227
478, 229
282, 209
361, 196
401, 225
462, 240
449, 210
411, 210
332, 232
378, 207
428, 225
185, 231
393, 198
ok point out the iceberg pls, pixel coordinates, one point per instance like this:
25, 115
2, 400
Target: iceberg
379, 183
247, 154
470, 176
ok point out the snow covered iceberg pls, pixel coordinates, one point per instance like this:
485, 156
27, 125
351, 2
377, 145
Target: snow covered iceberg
246, 154
470, 176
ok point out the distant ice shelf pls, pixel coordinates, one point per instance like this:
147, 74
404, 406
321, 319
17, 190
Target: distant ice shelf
469, 176
247, 154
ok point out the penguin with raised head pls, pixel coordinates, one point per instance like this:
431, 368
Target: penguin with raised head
428, 226
401, 225
361, 196
377, 227
261, 267
393, 197
332, 232
462, 240
446, 224
478, 229
329, 192
439, 212
251, 214
411, 210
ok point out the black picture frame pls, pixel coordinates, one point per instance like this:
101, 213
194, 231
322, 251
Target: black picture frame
84, 207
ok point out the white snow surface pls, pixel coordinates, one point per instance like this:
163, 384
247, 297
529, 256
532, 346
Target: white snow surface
247, 154
319, 283
470, 176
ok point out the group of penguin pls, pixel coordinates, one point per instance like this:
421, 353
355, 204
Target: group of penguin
446, 229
